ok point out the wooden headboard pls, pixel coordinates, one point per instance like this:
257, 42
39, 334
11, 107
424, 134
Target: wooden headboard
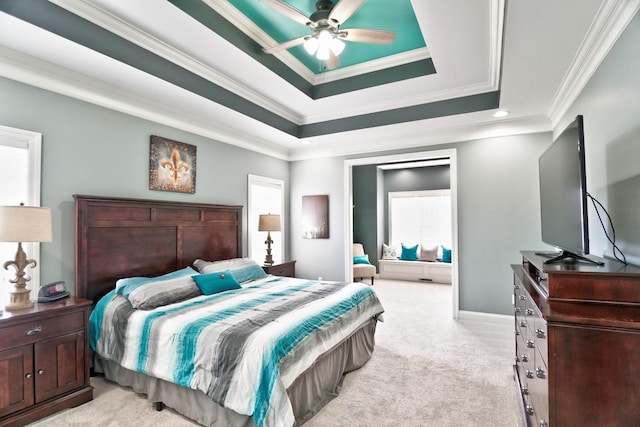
118, 238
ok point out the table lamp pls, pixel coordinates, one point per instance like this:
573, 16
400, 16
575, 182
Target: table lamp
23, 224
269, 223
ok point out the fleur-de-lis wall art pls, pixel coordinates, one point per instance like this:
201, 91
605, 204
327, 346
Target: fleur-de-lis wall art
172, 165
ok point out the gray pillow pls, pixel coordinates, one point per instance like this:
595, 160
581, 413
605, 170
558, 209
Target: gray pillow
428, 254
157, 293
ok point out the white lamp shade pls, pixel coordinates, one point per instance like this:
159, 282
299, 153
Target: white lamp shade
269, 223
25, 224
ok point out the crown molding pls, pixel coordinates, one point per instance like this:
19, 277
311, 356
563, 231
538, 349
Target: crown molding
414, 135
95, 14
609, 23
35, 72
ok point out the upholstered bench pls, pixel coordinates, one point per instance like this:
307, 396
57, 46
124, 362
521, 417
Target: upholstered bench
427, 271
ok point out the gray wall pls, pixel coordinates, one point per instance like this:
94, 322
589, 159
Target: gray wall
610, 104
365, 209
91, 150
371, 187
498, 215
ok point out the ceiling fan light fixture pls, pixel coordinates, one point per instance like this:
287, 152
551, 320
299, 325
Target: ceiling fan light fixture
311, 45
337, 46
323, 52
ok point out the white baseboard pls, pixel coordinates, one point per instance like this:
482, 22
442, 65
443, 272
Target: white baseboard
476, 316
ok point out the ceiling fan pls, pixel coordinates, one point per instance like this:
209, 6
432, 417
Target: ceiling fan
326, 40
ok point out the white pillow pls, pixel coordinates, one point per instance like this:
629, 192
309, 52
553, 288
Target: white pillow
389, 252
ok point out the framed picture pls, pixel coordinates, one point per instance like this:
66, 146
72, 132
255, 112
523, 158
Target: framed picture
172, 165
315, 217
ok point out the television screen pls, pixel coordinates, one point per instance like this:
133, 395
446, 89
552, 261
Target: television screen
563, 193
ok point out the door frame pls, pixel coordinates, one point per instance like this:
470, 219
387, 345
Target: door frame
406, 157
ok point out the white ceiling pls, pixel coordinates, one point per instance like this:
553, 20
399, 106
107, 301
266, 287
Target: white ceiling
540, 62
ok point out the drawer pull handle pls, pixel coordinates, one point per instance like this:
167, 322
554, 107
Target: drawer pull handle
525, 390
34, 331
529, 410
522, 297
540, 333
40, 372
28, 376
539, 372
523, 324
529, 373
529, 312
543, 423
530, 344
517, 309
524, 358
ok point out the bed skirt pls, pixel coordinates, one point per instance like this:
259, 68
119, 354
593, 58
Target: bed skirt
309, 393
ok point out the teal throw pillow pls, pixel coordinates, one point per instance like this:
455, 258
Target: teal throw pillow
446, 254
213, 283
409, 253
361, 259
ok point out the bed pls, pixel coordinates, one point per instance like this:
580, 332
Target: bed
279, 374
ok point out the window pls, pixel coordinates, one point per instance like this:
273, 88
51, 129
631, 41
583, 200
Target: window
420, 217
20, 154
266, 195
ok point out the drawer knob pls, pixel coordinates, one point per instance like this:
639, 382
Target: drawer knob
530, 344
540, 333
524, 358
523, 324
539, 372
522, 297
525, 390
529, 409
517, 309
529, 312
34, 331
529, 373
543, 423
28, 376
40, 372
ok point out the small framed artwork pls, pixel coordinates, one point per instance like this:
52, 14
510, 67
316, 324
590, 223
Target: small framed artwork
315, 217
172, 165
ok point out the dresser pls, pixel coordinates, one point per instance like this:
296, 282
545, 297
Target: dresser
577, 343
44, 360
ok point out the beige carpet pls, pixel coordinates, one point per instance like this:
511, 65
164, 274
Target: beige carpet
427, 370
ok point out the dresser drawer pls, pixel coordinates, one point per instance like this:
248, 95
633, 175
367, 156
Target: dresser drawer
39, 330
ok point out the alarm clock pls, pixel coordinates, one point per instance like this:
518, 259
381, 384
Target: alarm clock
53, 292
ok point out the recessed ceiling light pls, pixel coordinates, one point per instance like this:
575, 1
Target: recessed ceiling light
500, 113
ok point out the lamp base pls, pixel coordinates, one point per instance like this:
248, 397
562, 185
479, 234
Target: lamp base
19, 300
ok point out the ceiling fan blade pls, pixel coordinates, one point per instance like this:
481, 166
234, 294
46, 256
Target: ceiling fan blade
364, 35
344, 9
287, 11
333, 62
285, 45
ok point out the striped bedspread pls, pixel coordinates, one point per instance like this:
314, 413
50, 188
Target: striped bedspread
243, 347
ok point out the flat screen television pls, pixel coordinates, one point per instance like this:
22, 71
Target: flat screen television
563, 196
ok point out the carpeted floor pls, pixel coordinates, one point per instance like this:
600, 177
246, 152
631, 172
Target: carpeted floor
426, 370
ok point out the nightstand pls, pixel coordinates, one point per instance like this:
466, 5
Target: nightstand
44, 356
285, 268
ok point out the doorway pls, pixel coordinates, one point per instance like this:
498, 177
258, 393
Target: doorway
399, 158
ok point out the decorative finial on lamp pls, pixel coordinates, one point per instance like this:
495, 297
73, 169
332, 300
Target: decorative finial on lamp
23, 224
269, 223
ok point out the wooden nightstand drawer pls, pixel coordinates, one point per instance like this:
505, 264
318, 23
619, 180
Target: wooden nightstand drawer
286, 269
42, 329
